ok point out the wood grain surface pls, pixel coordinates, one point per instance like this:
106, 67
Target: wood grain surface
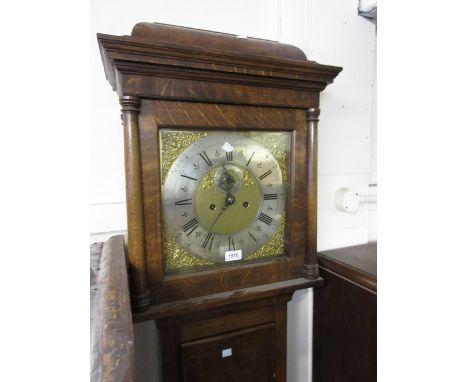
112, 343
186, 37
252, 325
357, 263
345, 317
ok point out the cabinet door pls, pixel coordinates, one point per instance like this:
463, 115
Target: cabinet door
245, 355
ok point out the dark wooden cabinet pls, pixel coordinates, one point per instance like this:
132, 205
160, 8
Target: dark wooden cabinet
345, 316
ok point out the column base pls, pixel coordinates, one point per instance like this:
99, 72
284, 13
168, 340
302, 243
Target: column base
141, 302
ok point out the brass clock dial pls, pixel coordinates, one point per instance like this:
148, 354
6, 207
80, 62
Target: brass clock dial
224, 197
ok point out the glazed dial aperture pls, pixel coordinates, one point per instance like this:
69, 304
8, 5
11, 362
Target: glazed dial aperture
224, 197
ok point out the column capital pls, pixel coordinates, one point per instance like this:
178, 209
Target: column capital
312, 114
130, 104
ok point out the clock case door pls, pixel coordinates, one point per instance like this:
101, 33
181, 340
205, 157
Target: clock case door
183, 78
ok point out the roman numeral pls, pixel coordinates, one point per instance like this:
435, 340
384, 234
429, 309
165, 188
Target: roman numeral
191, 226
270, 196
233, 247
264, 175
184, 202
265, 218
252, 236
250, 159
206, 159
189, 177
208, 239
229, 156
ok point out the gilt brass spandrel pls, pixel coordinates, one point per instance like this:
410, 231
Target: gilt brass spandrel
275, 247
177, 258
278, 144
173, 144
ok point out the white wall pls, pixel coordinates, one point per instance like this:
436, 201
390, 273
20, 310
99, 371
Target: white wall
328, 31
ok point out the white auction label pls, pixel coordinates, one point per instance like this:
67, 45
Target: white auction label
226, 352
228, 147
233, 255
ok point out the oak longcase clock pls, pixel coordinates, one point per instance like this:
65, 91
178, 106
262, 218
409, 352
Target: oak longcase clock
220, 137
221, 180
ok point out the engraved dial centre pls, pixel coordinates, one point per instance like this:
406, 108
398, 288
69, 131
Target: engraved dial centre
230, 215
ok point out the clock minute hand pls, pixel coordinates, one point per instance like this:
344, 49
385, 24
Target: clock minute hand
217, 217
230, 199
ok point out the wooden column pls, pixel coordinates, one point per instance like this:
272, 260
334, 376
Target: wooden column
139, 292
310, 263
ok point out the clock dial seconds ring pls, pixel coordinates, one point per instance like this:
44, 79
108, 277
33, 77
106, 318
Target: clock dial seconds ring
224, 197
